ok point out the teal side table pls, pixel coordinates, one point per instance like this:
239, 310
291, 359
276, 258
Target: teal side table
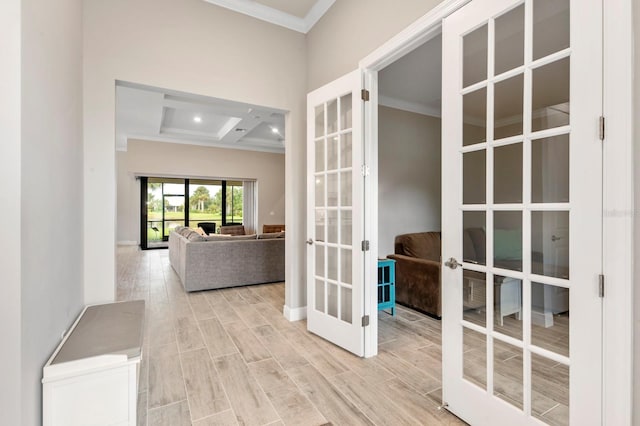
387, 285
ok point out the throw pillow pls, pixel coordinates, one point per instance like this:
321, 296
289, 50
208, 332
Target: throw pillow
200, 231
507, 244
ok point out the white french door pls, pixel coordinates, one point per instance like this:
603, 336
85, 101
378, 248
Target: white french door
522, 212
335, 229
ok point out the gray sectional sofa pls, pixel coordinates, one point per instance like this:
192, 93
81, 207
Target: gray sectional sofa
205, 263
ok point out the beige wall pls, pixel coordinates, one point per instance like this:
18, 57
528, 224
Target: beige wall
351, 30
144, 158
51, 187
194, 47
10, 388
408, 175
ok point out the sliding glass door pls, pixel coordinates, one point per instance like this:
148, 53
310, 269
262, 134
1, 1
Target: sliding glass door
167, 203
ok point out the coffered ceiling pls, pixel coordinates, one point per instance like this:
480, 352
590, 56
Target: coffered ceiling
144, 112
297, 15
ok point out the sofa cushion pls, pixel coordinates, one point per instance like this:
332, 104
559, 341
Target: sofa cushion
226, 237
508, 244
185, 232
194, 236
478, 240
243, 237
269, 235
217, 237
200, 231
423, 245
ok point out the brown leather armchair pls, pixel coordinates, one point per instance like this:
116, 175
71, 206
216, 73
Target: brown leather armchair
418, 261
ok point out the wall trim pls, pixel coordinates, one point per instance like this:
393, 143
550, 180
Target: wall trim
414, 107
294, 314
413, 36
619, 214
127, 243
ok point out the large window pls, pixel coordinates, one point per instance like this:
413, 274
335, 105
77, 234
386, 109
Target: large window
169, 202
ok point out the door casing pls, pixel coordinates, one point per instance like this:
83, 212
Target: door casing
618, 195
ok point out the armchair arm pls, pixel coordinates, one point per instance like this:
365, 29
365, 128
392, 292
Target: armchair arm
418, 283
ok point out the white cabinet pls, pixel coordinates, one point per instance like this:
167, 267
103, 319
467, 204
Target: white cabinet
92, 377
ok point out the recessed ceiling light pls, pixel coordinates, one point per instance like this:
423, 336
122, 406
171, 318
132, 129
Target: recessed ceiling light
274, 129
197, 119
240, 130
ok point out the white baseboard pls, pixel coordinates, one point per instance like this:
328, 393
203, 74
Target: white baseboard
295, 314
127, 243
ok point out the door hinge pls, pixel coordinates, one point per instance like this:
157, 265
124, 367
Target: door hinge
601, 285
364, 169
365, 245
364, 94
365, 320
601, 128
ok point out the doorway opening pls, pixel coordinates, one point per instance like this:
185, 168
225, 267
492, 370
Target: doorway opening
511, 176
200, 160
409, 169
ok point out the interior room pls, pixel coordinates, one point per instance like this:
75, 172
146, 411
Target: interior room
173, 146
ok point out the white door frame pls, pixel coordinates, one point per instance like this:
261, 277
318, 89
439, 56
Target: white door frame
618, 197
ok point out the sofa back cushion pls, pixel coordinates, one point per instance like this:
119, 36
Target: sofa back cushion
225, 237
194, 236
185, 231
216, 237
269, 235
423, 245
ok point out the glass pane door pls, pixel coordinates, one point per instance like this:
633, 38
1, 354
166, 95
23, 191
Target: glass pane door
521, 330
173, 206
335, 269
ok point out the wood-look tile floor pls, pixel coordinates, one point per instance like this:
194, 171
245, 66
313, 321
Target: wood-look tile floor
229, 357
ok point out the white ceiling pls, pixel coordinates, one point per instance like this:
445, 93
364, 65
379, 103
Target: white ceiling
413, 82
144, 112
297, 15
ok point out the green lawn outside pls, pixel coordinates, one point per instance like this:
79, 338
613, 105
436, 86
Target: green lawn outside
200, 216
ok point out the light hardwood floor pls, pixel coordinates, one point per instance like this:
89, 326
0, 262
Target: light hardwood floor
227, 357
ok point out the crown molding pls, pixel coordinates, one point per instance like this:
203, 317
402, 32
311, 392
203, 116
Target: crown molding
408, 106
275, 16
